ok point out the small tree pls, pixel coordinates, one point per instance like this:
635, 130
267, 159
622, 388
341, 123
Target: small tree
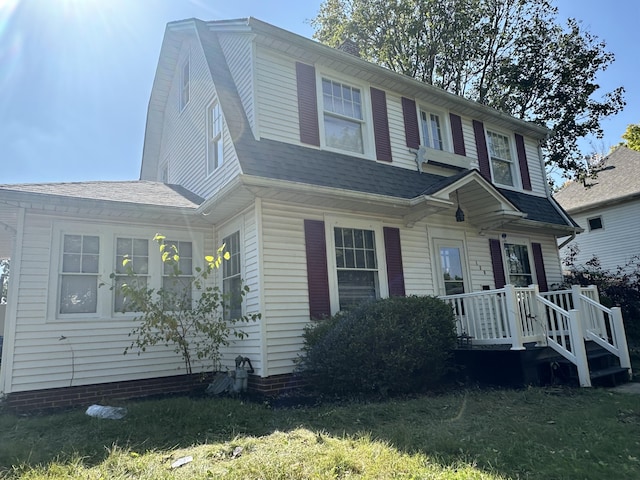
186, 313
620, 287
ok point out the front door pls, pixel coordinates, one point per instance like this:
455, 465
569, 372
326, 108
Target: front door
450, 266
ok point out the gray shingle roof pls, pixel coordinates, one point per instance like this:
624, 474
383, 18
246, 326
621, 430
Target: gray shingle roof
295, 163
134, 192
620, 178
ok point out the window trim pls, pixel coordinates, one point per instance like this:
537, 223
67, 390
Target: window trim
218, 138
184, 88
445, 129
331, 222
224, 232
366, 123
596, 217
505, 261
108, 235
515, 170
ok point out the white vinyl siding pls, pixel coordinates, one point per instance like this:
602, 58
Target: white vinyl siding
78, 349
277, 100
184, 137
239, 54
616, 242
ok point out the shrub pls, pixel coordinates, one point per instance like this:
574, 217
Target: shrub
617, 288
393, 345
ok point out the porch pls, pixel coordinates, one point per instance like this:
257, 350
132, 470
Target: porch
570, 325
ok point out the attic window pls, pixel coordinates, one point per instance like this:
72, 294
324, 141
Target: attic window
595, 223
343, 118
184, 84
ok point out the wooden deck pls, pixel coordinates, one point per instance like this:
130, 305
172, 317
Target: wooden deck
524, 319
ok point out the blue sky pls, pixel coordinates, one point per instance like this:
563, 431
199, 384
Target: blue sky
76, 75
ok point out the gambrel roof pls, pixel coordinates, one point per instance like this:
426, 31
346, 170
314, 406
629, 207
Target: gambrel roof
617, 181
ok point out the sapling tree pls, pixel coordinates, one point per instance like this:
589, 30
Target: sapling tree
187, 313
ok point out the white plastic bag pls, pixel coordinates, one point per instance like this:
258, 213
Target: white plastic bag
101, 411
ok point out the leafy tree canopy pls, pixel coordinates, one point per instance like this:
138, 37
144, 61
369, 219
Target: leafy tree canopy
631, 137
512, 55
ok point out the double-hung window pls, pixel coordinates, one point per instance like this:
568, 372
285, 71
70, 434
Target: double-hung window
136, 253
79, 274
343, 116
356, 265
177, 275
431, 126
518, 265
502, 165
215, 150
184, 84
231, 277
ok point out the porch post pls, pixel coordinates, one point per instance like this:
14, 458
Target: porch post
540, 323
620, 339
515, 322
576, 337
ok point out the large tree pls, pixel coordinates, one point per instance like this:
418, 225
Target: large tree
631, 137
512, 55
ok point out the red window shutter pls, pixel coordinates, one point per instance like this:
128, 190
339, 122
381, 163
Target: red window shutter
317, 275
522, 161
456, 133
393, 252
538, 262
380, 124
411, 129
496, 262
307, 104
483, 153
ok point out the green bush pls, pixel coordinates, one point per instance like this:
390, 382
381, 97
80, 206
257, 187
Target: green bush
620, 287
390, 346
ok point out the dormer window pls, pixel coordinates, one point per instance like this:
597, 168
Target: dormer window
431, 126
343, 117
502, 165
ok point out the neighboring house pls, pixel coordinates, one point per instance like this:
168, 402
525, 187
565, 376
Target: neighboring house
608, 209
330, 179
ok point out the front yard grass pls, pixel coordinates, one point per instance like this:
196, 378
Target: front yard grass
534, 433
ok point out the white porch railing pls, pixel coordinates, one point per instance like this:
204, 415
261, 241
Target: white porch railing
560, 319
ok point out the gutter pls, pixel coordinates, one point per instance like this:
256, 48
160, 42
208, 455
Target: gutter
569, 240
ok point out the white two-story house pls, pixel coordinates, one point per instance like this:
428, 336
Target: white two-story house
330, 179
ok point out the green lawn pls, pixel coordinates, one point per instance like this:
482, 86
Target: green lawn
492, 434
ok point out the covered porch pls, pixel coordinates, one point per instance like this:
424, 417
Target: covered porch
569, 322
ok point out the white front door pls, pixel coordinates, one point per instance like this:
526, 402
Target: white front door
450, 267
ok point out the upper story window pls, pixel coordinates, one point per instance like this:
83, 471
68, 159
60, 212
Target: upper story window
184, 84
215, 151
343, 116
79, 274
595, 223
502, 164
431, 126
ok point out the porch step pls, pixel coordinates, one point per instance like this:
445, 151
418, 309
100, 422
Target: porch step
613, 375
604, 367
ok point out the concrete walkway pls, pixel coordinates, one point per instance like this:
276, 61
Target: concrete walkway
631, 387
